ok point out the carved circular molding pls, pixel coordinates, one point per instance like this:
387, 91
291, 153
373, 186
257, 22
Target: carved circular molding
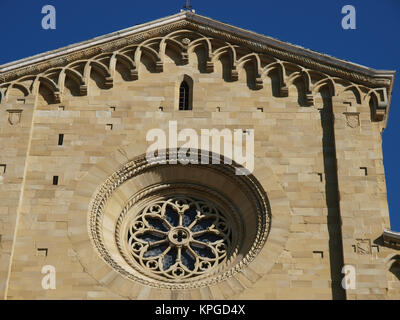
172, 237
183, 231
149, 181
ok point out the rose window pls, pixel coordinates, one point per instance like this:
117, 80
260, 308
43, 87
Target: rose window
178, 227
179, 237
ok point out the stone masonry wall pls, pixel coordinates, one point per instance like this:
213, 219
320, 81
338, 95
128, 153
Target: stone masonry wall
299, 144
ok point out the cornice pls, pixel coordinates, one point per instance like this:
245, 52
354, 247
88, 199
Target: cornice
260, 43
88, 49
257, 43
391, 239
293, 53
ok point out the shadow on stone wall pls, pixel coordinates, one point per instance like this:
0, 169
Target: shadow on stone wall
395, 268
332, 196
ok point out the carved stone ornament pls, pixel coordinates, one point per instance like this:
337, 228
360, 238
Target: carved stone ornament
352, 120
14, 116
179, 237
186, 41
179, 234
363, 246
190, 33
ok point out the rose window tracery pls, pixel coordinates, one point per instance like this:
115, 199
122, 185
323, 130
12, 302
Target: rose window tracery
179, 237
178, 227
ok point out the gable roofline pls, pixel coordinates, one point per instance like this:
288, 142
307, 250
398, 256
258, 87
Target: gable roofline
336, 67
384, 77
192, 17
92, 42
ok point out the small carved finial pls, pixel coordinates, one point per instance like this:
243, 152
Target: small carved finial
188, 7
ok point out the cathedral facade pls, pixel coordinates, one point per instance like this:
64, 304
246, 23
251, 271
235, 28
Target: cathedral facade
86, 214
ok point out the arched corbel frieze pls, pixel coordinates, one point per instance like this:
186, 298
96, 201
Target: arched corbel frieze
19, 87
152, 54
77, 78
255, 60
354, 90
277, 73
179, 48
126, 61
378, 101
231, 53
185, 41
50, 85
206, 44
103, 70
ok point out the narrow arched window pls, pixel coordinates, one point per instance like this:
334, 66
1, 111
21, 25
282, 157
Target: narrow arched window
184, 96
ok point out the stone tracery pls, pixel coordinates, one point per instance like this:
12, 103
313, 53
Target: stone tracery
180, 237
228, 234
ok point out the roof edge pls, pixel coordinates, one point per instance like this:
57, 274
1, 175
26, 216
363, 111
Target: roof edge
372, 78
91, 42
391, 238
193, 17
279, 44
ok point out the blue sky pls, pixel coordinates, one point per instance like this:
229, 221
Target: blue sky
313, 24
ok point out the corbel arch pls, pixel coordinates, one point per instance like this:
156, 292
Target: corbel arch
206, 45
290, 68
230, 72
103, 58
392, 263
100, 67
2, 94
76, 78
175, 46
326, 82
323, 93
102, 70
252, 58
227, 48
53, 92
50, 84
315, 77
276, 72
126, 61
152, 41
299, 80
130, 51
54, 75
151, 54
184, 33
78, 66
307, 79
354, 89
21, 89
377, 112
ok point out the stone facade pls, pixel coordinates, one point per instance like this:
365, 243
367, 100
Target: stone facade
317, 127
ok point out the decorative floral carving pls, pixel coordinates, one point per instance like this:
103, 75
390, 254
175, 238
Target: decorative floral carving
221, 267
186, 41
180, 237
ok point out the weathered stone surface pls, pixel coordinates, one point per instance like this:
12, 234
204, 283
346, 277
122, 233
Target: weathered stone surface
318, 156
